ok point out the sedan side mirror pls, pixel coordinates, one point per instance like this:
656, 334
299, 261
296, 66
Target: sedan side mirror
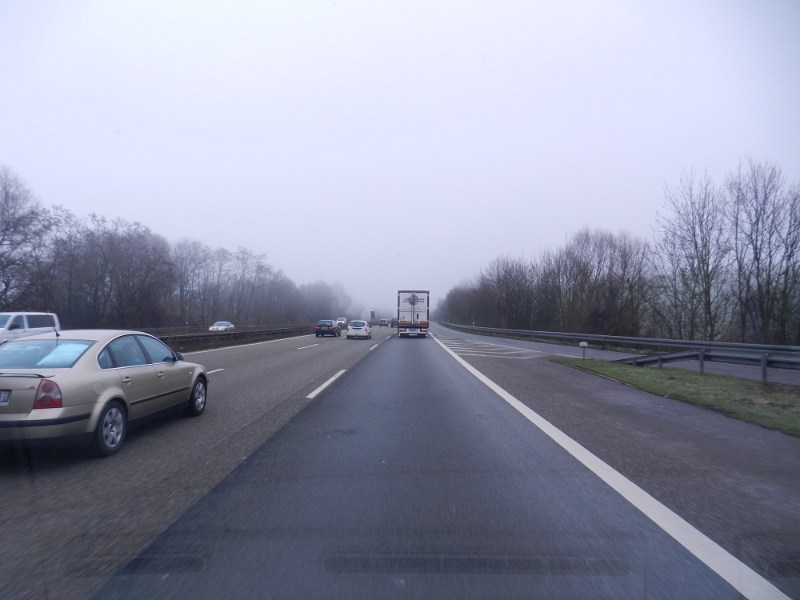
179, 355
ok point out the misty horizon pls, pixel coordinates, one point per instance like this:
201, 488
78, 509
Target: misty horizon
392, 146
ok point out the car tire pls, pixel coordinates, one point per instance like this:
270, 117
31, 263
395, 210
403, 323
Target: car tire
316, 335
197, 399
111, 429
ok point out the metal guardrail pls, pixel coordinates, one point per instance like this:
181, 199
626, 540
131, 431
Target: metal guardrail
759, 355
200, 329
763, 360
209, 339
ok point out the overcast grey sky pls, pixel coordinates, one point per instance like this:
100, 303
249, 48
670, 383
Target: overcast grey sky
390, 144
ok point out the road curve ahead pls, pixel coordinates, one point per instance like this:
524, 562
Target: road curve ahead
409, 478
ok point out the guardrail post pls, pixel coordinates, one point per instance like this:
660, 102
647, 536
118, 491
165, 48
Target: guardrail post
701, 357
764, 368
660, 363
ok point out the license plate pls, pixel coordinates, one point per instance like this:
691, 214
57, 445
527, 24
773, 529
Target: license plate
4, 396
413, 331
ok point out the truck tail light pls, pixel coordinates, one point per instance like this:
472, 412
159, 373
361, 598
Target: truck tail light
424, 330
48, 395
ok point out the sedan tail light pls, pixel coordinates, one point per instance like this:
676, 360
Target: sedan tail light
48, 395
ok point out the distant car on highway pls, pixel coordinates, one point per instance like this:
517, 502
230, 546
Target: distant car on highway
395, 322
327, 327
359, 329
383, 323
85, 386
222, 326
341, 321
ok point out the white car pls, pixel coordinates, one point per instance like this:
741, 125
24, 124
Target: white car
221, 326
18, 324
341, 321
359, 329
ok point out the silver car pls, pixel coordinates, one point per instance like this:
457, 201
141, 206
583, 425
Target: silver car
85, 387
221, 326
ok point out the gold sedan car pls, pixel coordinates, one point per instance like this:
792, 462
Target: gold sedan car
86, 386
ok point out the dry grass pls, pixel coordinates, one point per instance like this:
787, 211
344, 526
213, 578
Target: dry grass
774, 405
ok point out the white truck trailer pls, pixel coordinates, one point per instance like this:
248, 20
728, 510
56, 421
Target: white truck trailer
413, 312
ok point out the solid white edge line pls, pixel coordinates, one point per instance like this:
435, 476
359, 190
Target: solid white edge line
744, 579
246, 345
311, 346
214, 371
313, 394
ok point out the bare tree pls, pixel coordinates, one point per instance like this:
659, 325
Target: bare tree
692, 260
22, 226
140, 274
189, 259
765, 239
509, 283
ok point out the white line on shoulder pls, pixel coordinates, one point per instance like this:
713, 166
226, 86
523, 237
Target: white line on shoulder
214, 371
741, 577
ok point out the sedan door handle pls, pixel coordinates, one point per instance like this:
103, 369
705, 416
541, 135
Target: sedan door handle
161, 373
126, 380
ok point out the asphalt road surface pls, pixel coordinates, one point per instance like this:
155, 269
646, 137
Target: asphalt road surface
410, 477
68, 520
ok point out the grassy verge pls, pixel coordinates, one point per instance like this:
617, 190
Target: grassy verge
775, 405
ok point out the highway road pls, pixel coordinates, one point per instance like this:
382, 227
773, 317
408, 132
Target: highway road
69, 520
410, 477
429, 468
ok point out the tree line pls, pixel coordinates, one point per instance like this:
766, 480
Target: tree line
723, 264
99, 273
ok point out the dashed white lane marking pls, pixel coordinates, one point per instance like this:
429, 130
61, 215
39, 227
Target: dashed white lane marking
313, 394
311, 346
741, 577
214, 371
375, 346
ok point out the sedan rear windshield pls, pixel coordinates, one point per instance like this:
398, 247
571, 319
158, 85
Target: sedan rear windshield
42, 354
325, 323
357, 323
